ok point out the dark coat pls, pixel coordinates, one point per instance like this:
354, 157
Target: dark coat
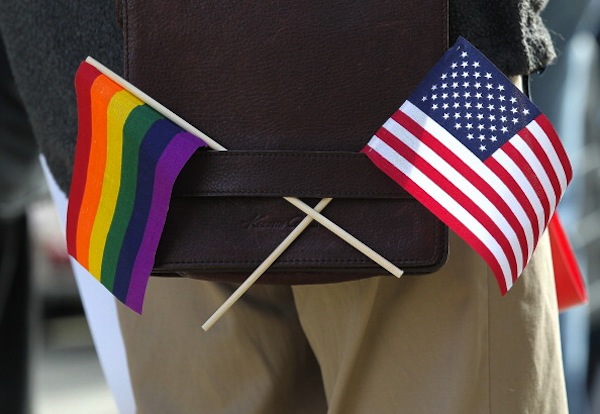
46, 41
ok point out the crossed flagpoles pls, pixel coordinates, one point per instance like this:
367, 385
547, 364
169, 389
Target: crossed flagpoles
312, 213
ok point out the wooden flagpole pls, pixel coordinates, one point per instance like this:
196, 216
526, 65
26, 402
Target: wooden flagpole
311, 213
262, 268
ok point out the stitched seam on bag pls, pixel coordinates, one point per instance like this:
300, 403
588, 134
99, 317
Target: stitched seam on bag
444, 234
434, 255
289, 261
288, 154
291, 192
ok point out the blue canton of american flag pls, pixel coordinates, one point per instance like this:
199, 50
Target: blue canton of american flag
473, 149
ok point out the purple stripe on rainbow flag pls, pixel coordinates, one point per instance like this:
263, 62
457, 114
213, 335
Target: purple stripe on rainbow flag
167, 170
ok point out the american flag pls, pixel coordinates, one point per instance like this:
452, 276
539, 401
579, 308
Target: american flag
473, 149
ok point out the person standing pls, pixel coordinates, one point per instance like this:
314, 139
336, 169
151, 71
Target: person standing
443, 342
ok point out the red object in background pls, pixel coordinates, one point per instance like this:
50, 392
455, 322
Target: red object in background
570, 287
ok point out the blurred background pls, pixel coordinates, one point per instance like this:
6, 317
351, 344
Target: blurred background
48, 364
568, 93
47, 359
66, 377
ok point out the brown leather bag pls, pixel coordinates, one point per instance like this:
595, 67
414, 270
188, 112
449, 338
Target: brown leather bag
294, 90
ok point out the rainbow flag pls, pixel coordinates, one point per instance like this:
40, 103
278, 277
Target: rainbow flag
126, 161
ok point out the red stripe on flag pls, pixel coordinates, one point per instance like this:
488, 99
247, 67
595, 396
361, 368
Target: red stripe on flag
86, 75
517, 191
461, 198
544, 123
542, 156
446, 216
466, 171
530, 175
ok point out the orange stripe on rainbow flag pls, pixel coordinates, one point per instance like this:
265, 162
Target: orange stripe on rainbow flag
103, 90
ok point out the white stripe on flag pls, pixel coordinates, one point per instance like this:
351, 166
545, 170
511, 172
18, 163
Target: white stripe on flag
538, 169
541, 173
463, 184
513, 169
549, 149
484, 172
447, 202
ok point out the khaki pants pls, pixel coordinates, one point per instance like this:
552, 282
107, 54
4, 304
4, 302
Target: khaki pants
440, 343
